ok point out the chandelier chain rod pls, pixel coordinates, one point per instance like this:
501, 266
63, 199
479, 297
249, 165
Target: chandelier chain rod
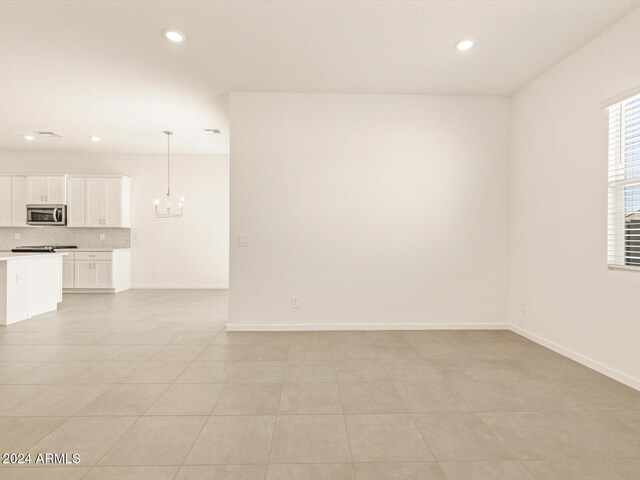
168, 164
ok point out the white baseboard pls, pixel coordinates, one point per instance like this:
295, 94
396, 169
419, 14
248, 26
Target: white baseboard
304, 327
582, 359
154, 286
88, 290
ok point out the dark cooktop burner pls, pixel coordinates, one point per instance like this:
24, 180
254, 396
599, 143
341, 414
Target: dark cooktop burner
40, 248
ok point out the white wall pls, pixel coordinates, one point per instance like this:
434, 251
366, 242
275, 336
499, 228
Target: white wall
375, 210
559, 208
192, 251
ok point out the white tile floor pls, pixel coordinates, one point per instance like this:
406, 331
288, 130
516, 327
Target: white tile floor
147, 385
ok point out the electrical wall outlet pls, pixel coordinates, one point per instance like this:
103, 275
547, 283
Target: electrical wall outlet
243, 240
154, 272
295, 302
16, 236
102, 236
523, 307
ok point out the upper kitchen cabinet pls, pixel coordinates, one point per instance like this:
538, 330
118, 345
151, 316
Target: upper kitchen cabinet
102, 202
46, 190
5, 201
18, 201
76, 202
13, 201
108, 202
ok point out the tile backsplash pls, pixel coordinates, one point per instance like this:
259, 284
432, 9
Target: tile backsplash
81, 237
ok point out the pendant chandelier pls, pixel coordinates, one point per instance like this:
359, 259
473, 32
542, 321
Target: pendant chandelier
166, 210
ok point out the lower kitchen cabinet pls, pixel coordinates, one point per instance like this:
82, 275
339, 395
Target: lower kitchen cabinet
68, 274
95, 272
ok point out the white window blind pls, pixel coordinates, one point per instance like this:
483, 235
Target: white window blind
624, 183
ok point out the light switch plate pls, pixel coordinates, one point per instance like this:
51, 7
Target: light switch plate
16, 236
102, 236
243, 240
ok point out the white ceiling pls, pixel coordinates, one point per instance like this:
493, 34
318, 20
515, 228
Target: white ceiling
103, 68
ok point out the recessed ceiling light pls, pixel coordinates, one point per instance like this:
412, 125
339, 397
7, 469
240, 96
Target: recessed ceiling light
94, 138
464, 45
29, 137
174, 35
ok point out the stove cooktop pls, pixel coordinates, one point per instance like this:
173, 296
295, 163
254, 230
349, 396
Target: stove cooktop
40, 248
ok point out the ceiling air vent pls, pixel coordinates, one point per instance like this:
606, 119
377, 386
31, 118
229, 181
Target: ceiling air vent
215, 131
50, 134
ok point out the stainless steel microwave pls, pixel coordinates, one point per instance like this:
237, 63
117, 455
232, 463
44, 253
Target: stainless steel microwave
46, 214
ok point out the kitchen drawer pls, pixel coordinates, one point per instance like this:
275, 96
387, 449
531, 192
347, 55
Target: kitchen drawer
93, 255
69, 257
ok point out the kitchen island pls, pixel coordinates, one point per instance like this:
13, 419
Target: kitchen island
30, 284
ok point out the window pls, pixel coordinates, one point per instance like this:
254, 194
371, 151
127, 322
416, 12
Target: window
624, 183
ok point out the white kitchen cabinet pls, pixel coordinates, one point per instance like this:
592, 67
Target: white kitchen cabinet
92, 201
100, 271
13, 201
76, 202
5, 201
36, 190
68, 273
46, 190
19, 201
108, 202
84, 274
102, 275
100, 201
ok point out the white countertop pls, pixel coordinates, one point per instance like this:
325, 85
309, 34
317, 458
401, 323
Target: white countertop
13, 256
